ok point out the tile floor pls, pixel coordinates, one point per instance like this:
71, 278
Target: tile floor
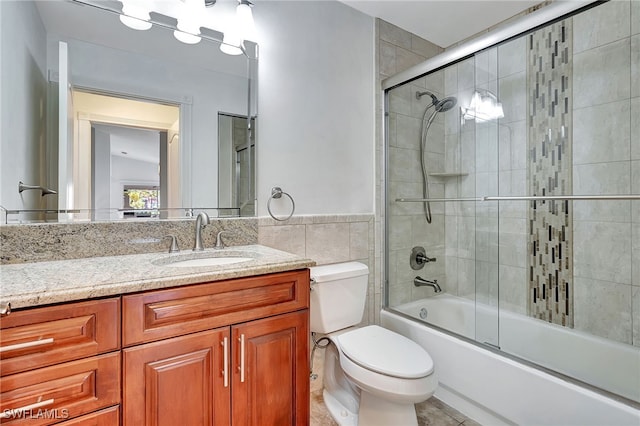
432, 412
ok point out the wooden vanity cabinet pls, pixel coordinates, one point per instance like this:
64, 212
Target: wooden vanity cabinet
231, 352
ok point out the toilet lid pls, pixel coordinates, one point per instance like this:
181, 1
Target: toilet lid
386, 352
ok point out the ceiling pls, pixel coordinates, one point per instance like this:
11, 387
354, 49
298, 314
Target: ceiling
442, 22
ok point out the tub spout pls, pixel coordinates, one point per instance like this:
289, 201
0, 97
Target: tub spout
421, 282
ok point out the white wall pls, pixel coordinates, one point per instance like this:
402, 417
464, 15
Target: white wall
23, 85
316, 106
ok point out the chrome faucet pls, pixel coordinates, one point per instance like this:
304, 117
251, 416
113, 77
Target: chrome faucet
201, 221
421, 282
219, 242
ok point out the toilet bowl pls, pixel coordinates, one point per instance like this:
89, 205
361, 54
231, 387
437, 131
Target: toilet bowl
372, 376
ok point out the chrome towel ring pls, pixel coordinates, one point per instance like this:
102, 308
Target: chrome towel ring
277, 193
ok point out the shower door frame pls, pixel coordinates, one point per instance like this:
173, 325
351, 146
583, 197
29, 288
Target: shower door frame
527, 23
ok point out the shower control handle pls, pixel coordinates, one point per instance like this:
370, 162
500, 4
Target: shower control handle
419, 258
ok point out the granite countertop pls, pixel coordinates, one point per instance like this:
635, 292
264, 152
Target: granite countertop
41, 283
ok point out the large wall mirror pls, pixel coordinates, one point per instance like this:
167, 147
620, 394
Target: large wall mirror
121, 123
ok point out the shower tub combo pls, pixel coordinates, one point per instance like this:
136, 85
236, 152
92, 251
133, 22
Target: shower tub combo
484, 382
527, 294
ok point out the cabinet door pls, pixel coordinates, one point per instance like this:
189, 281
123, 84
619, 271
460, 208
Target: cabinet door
179, 381
271, 374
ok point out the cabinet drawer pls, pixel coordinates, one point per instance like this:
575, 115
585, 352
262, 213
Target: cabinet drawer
39, 337
107, 417
47, 395
167, 313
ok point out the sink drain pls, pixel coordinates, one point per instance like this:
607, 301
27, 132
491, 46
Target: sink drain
423, 313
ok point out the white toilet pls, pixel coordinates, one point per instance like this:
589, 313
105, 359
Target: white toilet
372, 376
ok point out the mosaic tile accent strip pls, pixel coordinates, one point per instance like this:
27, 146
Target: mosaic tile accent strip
550, 235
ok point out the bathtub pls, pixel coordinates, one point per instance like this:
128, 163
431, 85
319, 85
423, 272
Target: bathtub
495, 389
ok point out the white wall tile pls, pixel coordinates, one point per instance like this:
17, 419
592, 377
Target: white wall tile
289, 238
387, 58
404, 165
399, 232
513, 95
466, 74
394, 34
602, 251
400, 100
434, 82
635, 307
467, 278
602, 179
407, 132
603, 308
602, 74
486, 63
635, 254
406, 59
513, 242
514, 289
512, 57
328, 243
601, 25
601, 133
451, 80
358, 240
635, 189
428, 235
635, 128
635, 17
635, 66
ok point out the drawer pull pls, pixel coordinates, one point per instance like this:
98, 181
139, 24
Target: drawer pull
12, 413
26, 345
225, 361
241, 358
5, 309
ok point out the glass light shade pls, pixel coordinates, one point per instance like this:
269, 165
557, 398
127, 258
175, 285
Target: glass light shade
135, 23
231, 43
244, 19
135, 16
188, 24
186, 37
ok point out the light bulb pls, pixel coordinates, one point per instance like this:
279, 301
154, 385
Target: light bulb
244, 19
186, 37
188, 22
135, 15
231, 44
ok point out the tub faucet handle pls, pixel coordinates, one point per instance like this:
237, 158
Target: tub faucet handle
419, 258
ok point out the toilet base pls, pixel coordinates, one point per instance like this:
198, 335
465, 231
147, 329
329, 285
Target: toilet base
376, 411
341, 415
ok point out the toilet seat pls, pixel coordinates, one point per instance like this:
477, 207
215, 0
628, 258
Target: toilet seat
382, 351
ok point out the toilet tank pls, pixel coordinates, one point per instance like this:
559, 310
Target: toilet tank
338, 295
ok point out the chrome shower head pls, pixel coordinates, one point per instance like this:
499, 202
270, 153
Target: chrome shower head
441, 105
446, 104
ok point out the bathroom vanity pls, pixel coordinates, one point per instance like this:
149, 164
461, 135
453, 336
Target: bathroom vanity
213, 345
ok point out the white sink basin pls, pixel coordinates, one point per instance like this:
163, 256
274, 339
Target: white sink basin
208, 261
